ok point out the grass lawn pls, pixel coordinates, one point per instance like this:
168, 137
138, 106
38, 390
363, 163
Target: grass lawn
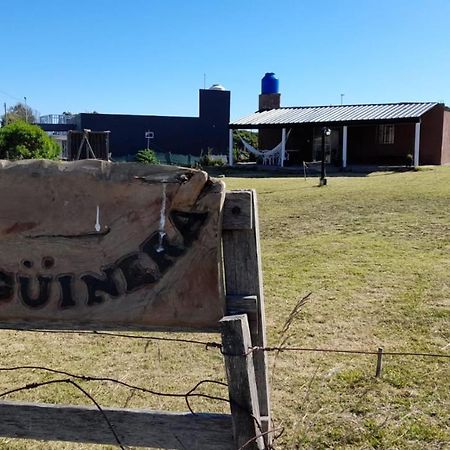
374, 251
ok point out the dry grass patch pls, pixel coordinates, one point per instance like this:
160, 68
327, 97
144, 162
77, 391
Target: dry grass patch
375, 253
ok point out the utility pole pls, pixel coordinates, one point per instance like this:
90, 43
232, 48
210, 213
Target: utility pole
26, 110
4, 117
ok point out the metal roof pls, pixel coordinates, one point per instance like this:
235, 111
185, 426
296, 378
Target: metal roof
334, 114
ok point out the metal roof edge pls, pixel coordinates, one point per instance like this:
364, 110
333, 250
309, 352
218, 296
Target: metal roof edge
263, 118
355, 104
337, 123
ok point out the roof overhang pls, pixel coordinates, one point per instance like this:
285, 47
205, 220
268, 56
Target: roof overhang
240, 126
334, 116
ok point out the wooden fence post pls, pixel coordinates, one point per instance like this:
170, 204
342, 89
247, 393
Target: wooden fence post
236, 342
243, 278
379, 363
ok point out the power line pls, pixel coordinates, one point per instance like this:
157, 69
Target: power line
20, 100
11, 96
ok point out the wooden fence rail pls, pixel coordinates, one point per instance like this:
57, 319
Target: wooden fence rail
138, 428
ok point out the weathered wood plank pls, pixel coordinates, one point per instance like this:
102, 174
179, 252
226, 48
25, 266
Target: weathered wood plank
134, 427
243, 277
236, 304
243, 305
105, 244
237, 211
236, 342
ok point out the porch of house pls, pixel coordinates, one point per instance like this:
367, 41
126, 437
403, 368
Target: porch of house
349, 147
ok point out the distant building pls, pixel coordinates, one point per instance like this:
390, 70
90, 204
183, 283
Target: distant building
181, 135
371, 134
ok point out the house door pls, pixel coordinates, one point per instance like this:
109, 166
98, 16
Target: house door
332, 147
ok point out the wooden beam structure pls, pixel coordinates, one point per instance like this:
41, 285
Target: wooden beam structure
221, 252
236, 342
110, 246
243, 277
137, 428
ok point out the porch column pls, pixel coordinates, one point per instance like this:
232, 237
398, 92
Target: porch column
283, 146
230, 147
417, 145
344, 146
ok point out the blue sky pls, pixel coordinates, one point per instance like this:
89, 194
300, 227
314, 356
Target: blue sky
150, 57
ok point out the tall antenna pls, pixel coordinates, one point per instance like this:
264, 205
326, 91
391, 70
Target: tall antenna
204, 81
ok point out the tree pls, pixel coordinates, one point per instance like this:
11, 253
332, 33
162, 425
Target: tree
240, 153
249, 136
146, 156
18, 112
21, 140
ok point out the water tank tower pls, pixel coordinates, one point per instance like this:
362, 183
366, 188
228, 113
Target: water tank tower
217, 87
270, 84
270, 96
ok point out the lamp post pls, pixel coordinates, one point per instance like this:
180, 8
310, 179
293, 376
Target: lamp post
325, 132
26, 110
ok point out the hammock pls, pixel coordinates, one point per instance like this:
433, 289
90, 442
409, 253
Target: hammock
267, 155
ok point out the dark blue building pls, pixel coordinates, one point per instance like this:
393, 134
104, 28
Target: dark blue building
181, 135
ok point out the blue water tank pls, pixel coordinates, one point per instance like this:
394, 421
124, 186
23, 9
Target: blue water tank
270, 84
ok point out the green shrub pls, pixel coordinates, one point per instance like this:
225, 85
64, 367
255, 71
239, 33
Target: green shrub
146, 156
409, 160
209, 160
21, 140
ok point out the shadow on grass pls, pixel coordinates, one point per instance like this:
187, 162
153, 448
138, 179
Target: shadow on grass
258, 171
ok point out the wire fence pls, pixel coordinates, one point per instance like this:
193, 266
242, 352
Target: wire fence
178, 159
167, 158
74, 379
213, 344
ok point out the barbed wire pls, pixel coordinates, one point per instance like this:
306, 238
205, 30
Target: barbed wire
264, 434
191, 393
36, 385
206, 344
212, 344
187, 395
347, 351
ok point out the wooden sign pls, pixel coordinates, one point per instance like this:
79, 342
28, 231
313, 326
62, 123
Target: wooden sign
94, 244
